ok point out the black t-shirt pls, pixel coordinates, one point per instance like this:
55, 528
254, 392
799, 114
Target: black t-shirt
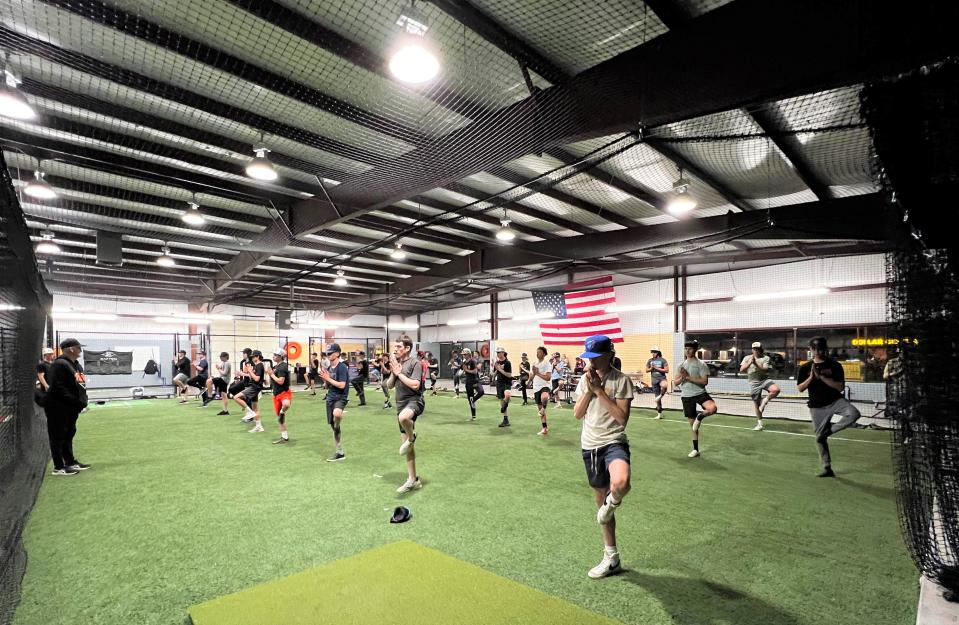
315, 366
820, 393
507, 378
258, 371
44, 368
363, 368
457, 364
470, 364
524, 369
281, 370
434, 366
183, 366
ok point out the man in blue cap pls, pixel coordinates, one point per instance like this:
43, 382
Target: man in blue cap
603, 398
337, 378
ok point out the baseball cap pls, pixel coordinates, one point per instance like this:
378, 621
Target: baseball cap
247, 350
257, 353
279, 351
758, 344
556, 355
597, 345
65, 343
201, 353
332, 348
401, 515
47, 350
524, 355
466, 351
655, 349
500, 350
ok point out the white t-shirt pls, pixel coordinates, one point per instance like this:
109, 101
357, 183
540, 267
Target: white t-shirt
543, 366
599, 428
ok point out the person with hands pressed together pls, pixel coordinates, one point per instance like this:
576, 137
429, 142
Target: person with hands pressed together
474, 390
692, 380
658, 369
825, 380
542, 372
503, 373
603, 398
282, 396
757, 366
337, 378
407, 378
249, 399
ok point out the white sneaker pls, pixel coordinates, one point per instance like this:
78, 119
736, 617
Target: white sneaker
606, 511
407, 444
257, 428
693, 454
759, 427
659, 415
608, 566
543, 432
409, 485
249, 416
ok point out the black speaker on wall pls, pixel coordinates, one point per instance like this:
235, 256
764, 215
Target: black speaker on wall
283, 319
109, 248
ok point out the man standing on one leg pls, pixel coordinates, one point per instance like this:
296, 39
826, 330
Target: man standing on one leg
249, 399
282, 396
474, 390
434, 366
385, 373
181, 365
456, 368
66, 397
337, 378
407, 378
603, 398
542, 371
692, 380
362, 375
313, 374
658, 369
524, 373
503, 374
825, 380
199, 380
220, 383
757, 366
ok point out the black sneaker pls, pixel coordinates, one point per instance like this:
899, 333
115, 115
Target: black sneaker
223, 412
504, 423
362, 403
336, 457
64, 471
827, 472
79, 466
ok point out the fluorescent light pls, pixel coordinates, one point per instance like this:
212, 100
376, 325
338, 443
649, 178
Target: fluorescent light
209, 317
82, 316
540, 315
10, 307
322, 323
193, 320
462, 322
624, 308
260, 168
754, 297
13, 104
39, 188
193, 216
402, 326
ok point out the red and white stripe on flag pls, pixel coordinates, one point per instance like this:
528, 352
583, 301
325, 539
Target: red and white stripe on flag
586, 314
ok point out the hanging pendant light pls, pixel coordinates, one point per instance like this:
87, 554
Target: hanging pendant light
13, 103
39, 188
193, 216
412, 59
505, 233
339, 280
681, 202
47, 245
398, 253
260, 168
165, 260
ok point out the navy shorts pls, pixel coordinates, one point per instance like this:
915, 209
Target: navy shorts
690, 403
251, 395
333, 405
597, 462
417, 405
501, 390
219, 384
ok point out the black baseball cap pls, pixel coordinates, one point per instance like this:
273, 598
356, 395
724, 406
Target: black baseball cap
401, 515
257, 353
65, 343
692, 343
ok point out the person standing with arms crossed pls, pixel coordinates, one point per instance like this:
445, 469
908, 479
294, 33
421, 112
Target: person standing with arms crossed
66, 398
407, 378
658, 369
757, 366
603, 398
692, 380
337, 379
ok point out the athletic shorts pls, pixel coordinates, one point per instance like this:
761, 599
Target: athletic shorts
542, 396
333, 405
197, 381
756, 389
251, 395
657, 381
278, 400
181, 377
501, 390
219, 384
690, 403
236, 388
554, 384
313, 375
416, 404
597, 462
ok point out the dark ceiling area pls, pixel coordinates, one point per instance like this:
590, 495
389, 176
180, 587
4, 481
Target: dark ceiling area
575, 126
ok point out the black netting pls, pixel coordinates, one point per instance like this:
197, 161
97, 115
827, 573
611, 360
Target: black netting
915, 124
23, 450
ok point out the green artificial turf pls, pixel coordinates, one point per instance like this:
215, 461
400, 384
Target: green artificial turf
401, 582
182, 507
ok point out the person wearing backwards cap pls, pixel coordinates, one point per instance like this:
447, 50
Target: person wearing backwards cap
337, 379
282, 396
658, 368
603, 398
504, 382
249, 399
66, 398
692, 380
756, 366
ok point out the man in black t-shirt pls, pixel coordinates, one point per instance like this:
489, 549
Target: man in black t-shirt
385, 372
199, 380
282, 396
182, 366
314, 373
249, 399
66, 398
503, 374
433, 364
43, 375
456, 367
825, 380
474, 390
362, 375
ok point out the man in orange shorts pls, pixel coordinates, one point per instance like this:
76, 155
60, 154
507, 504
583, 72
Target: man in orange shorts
282, 396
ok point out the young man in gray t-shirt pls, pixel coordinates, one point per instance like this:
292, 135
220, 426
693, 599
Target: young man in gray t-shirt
757, 366
407, 378
603, 398
692, 380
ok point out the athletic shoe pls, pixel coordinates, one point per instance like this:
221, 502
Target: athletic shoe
79, 466
409, 485
543, 432
609, 566
281, 441
504, 423
184, 401
248, 417
693, 454
606, 511
759, 427
473, 417
336, 457
257, 428
386, 405
659, 415
362, 403
405, 447
222, 412
64, 471
827, 472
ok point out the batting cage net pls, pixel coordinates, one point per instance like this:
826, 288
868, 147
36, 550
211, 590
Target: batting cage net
23, 448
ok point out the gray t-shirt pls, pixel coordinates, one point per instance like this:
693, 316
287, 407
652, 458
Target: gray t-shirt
754, 373
599, 428
695, 368
411, 368
225, 370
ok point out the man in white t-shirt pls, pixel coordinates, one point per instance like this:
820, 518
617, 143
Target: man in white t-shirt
757, 366
603, 398
542, 371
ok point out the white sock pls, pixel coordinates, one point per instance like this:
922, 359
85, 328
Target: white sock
611, 551
285, 435
610, 500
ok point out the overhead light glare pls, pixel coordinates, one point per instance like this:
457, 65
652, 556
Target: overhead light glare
402, 326
13, 103
47, 245
626, 308
82, 316
10, 307
755, 297
505, 233
39, 188
165, 260
462, 322
412, 60
681, 202
193, 216
200, 321
398, 253
339, 280
260, 168
540, 315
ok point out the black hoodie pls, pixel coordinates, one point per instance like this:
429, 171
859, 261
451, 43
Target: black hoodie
67, 393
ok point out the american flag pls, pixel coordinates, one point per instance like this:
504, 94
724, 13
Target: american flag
579, 312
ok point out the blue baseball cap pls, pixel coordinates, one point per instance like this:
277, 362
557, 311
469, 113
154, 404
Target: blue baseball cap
333, 348
597, 345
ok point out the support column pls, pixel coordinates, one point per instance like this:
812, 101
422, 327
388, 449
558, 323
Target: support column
494, 314
676, 299
685, 295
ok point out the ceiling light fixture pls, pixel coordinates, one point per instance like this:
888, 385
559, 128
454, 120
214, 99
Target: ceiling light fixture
260, 168
412, 59
47, 245
339, 280
13, 103
681, 202
10, 307
398, 253
505, 233
755, 297
165, 260
39, 188
193, 216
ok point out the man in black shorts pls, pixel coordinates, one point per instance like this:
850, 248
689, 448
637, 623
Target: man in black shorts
524, 373
337, 379
362, 375
456, 368
314, 373
603, 399
219, 384
181, 364
474, 390
692, 380
199, 380
434, 366
385, 373
542, 371
241, 380
503, 372
250, 397
407, 378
